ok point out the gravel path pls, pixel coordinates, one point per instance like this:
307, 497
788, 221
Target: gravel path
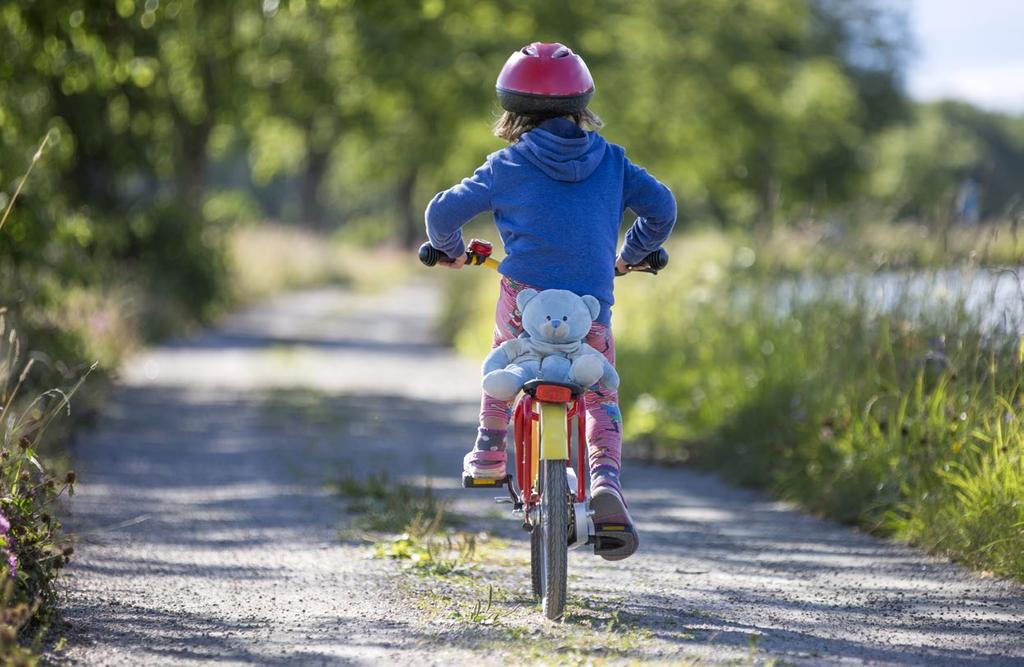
207, 531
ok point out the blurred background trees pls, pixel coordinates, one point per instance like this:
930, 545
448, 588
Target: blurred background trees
171, 120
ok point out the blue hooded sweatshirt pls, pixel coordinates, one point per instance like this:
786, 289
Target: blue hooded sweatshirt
558, 196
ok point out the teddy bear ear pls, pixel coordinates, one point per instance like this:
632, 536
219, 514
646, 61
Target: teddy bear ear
593, 305
524, 298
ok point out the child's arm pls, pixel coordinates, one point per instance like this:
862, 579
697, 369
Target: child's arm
448, 211
656, 210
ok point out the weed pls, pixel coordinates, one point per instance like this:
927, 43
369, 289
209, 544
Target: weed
385, 505
425, 540
32, 550
430, 553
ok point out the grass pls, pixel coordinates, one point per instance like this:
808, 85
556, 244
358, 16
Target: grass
902, 418
33, 549
410, 525
900, 413
270, 258
382, 504
825, 248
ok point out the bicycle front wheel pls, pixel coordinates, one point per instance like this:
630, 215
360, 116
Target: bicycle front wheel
554, 537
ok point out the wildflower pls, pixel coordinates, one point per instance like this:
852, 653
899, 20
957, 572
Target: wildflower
70, 478
12, 564
5, 525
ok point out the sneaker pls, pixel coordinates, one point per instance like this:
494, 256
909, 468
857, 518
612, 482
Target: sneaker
615, 533
484, 465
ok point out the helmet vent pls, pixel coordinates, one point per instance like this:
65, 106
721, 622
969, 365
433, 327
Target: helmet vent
563, 52
530, 50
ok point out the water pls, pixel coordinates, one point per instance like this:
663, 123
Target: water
994, 299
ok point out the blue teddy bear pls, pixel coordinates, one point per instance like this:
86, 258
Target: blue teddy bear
551, 347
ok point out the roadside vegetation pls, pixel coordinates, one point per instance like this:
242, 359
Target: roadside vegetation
33, 548
409, 525
887, 399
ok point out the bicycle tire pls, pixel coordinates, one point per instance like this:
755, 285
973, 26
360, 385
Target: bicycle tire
554, 537
535, 565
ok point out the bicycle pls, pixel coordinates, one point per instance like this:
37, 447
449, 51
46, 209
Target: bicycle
551, 467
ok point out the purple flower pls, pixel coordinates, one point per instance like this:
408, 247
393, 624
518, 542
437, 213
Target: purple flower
5, 525
12, 564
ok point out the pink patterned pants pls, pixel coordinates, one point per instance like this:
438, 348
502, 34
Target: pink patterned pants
604, 421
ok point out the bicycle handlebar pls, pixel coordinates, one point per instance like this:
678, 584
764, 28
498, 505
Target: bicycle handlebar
479, 253
430, 255
654, 262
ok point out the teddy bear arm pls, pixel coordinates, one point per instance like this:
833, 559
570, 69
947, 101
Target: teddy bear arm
501, 356
504, 383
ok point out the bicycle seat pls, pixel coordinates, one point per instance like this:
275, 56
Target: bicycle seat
548, 391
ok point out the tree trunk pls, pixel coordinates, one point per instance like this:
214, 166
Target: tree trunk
192, 163
768, 201
409, 218
767, 183
312, 209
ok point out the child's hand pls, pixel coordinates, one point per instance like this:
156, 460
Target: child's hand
458, 263
621, 266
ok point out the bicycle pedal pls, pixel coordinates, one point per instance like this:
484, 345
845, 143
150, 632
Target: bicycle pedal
482, 483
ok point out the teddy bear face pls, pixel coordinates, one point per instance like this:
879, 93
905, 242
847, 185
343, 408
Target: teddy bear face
557, 316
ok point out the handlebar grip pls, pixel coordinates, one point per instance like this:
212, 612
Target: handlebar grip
657, 260
652, 263
430, 255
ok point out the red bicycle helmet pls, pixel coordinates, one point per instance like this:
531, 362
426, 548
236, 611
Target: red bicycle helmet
545, 79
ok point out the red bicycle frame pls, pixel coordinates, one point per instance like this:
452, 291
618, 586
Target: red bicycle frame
523, 420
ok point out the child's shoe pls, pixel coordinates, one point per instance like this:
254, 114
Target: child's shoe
613, 526
487, 458
484, 465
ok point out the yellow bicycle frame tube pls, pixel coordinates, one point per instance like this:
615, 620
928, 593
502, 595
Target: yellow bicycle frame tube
550, 437
480, 260
553, 434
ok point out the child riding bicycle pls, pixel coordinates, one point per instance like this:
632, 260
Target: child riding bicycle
558, 192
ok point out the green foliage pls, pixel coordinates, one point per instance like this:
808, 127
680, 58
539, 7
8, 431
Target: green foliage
921, 163
426, 551
32, 549
425, 541
898, 414
383, 504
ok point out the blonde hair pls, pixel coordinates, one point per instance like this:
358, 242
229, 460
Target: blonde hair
511, 126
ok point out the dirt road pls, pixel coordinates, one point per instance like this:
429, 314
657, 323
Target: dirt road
208, 531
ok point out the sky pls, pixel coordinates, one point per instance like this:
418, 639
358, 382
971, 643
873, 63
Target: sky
968, 49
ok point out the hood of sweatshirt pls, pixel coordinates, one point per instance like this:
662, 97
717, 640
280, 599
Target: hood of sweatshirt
562, 150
